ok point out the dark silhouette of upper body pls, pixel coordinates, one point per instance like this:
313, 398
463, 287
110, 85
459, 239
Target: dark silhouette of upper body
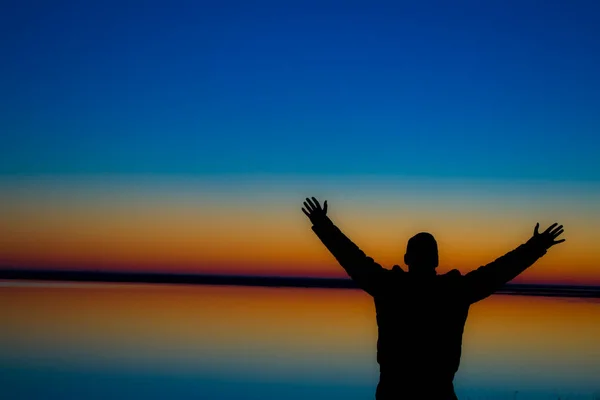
421, 314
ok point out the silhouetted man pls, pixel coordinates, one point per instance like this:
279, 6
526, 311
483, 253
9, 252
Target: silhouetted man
420, 314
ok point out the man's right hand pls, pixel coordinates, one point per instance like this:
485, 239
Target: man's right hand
314, 212
546, 239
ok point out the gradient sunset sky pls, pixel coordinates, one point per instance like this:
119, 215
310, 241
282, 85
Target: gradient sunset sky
184, 136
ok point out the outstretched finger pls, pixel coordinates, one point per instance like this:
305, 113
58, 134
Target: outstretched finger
317, 203
325, 207
536, 230
313, 206
558, 241
306, 212
557, 233
309, 208
550, 227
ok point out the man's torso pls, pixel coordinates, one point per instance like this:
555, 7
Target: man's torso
421, 323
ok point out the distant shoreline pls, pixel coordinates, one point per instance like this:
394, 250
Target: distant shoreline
264, 281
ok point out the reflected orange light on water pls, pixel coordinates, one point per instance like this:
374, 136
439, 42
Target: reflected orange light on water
318, 332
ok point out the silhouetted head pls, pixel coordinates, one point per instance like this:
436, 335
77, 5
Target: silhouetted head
421, 253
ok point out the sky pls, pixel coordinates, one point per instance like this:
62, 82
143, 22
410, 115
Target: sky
184, 135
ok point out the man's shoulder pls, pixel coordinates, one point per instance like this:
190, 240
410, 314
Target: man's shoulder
451, 280
452, 274
397, 270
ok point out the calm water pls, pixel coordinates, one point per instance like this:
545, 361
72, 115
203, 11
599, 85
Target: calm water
72, 341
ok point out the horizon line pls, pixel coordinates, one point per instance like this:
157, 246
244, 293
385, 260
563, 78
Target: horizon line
522, 289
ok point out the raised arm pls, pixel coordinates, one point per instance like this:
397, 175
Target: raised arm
367, 274
487, 279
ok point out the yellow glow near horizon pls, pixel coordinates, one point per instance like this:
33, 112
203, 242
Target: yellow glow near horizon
147, 230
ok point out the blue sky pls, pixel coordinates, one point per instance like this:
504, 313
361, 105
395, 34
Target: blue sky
467, 89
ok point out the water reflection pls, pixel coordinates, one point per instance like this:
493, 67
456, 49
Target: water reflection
239, 342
